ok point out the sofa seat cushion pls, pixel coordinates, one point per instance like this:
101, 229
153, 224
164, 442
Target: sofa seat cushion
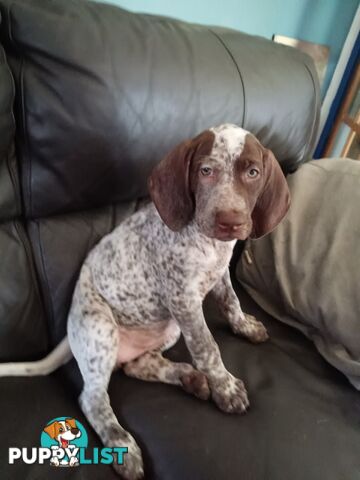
303, 421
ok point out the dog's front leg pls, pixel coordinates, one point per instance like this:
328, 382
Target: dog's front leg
241, 323
228, 392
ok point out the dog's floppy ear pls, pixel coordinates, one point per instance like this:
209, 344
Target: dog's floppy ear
51, 429
274, 200
71, 422
169, 182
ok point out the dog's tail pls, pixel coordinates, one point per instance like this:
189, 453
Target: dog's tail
58, 357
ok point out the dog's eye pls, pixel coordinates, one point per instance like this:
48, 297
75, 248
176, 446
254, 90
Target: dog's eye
61, 430
206, 171
253, 172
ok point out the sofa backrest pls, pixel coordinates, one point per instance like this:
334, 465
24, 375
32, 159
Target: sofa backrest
101, 95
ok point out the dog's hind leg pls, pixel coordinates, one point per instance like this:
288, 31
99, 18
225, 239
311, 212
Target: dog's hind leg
93, 339
153, 367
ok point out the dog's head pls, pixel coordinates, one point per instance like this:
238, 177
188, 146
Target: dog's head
226, 181
63, 431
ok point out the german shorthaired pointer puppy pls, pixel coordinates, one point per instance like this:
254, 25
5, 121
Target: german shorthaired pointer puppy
144, 283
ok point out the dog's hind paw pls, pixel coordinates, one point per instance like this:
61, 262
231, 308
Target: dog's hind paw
251, 329
196, 383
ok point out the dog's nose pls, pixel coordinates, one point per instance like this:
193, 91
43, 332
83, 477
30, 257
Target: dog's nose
229, 220
74, 431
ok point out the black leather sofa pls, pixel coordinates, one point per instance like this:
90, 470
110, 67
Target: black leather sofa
91, 97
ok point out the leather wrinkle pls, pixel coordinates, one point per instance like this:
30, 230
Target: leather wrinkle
9, 149
23, 116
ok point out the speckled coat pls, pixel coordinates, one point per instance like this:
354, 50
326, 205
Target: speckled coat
144, 283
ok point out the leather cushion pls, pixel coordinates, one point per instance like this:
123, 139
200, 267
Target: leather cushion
23, 328
60, 245
9, 183
104, 93
303, 421
277, 76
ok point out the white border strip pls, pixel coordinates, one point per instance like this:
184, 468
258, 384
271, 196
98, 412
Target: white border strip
339, 71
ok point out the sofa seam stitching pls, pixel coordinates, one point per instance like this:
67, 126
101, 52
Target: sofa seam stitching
238, 70
33, 273
13, 173
47, 296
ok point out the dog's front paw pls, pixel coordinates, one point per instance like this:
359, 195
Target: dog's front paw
196, 383
54, 462
229, 394
250, 328
73, 462
133, 467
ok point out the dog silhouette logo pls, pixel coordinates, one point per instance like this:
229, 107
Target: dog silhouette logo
65, 437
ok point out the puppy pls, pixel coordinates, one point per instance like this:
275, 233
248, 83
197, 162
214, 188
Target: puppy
143, 285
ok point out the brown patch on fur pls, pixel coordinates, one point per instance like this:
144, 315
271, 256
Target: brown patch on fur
169, 182
274, 200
